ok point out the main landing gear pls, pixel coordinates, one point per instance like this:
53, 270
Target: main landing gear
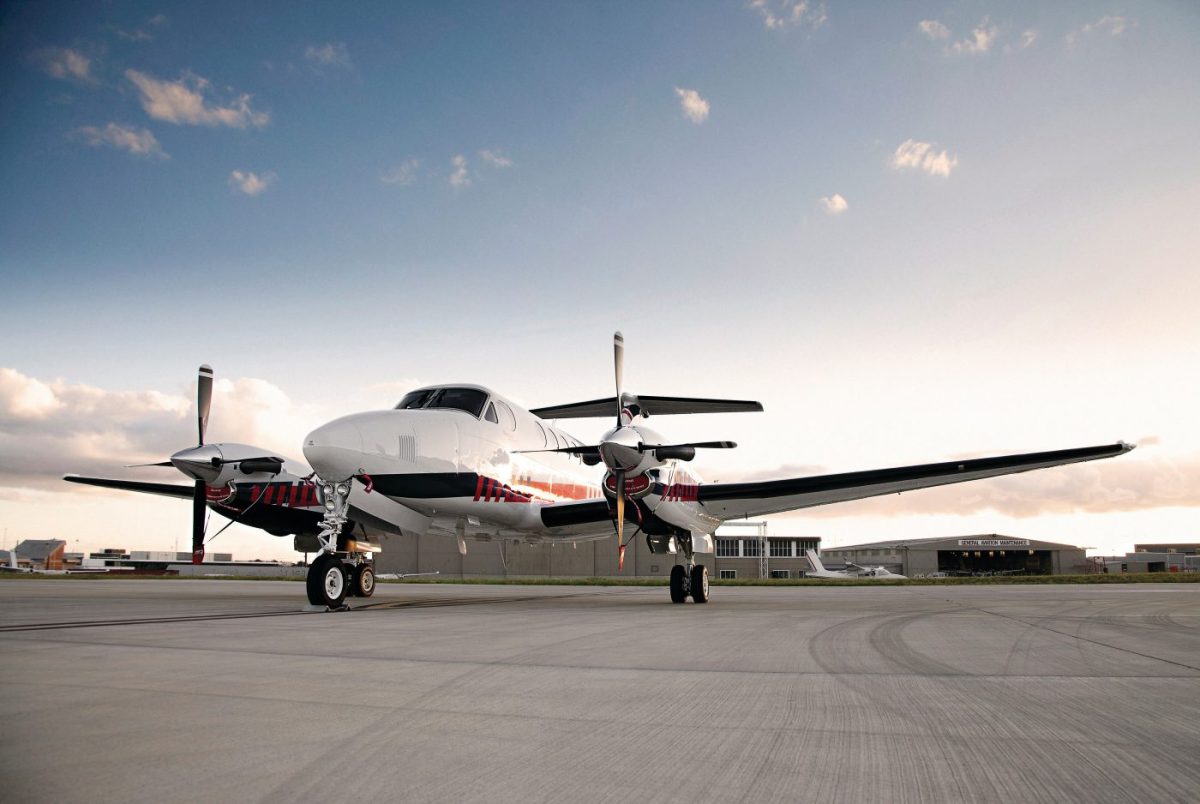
337, 572
689, 578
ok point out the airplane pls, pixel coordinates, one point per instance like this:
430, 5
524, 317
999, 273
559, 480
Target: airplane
463, 461
875, 573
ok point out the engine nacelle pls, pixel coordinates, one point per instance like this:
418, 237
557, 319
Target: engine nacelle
636, 486
682, 452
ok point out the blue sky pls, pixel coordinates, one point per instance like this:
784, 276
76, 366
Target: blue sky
913, 230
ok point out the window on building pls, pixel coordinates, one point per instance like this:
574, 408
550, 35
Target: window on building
727, 548
728, 575
781, 548
781, 574
751, 548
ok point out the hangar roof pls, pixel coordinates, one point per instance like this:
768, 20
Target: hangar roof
949, 542
37, 549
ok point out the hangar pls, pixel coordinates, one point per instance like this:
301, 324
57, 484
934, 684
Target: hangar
990, 554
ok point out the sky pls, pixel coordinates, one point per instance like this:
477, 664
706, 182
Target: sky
914, 231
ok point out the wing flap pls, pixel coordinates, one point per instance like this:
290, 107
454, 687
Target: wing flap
737, 500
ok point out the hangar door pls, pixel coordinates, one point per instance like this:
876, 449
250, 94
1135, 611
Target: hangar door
993, 561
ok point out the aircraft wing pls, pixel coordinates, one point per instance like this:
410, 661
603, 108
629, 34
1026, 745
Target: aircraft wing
738, 500
164, 489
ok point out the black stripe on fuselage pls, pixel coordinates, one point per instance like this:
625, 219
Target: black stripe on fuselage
874, 477
427, 485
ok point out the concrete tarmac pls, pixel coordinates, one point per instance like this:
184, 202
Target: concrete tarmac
147, 690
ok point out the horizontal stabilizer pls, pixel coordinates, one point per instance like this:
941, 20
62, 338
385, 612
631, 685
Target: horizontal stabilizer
649, 405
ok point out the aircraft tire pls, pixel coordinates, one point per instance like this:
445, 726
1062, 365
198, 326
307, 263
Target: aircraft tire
326, 583
362, 582
678, 594
700, 583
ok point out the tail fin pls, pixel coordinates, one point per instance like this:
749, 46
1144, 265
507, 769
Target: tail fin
814, 560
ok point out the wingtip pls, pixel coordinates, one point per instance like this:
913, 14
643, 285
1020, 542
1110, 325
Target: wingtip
1126, 446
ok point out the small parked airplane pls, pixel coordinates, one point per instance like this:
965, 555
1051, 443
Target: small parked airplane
876, 573
465, 462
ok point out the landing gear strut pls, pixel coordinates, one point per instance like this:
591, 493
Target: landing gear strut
337, 573
689, 578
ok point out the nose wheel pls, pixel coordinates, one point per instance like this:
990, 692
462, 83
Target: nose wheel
690, 580
327, 582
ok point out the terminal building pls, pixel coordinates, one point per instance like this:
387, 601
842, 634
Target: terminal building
990, 554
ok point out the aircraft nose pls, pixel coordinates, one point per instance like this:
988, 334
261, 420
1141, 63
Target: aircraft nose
335, 450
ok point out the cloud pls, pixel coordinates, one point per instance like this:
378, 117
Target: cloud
143, 33
495, 158
331, 54
1113, 26
67, 64
139, 142
933, 29
979, 41
403, 174
51, 428
921, 156
834, 204
694, 106
1119, 484
459, 176
249, 183
778, 14
183, 101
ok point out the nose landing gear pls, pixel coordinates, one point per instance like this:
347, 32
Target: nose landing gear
341, 569
689, 578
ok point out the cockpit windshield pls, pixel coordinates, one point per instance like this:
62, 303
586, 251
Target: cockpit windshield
470, 400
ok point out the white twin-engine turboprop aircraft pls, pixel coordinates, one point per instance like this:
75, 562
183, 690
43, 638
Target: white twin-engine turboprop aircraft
464, 461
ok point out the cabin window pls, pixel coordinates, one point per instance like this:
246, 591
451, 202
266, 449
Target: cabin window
491, 414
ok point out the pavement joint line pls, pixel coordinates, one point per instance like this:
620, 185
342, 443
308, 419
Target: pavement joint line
990, 677
431, 603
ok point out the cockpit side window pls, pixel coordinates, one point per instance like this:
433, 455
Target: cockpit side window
507, 417
491, 414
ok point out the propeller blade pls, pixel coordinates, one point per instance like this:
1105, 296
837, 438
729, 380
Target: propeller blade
198, 510
140, 465
204, 398
692, 444
619, 368
620, 484
584, 450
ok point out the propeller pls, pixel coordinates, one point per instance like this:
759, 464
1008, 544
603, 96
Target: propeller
204, 382
619, 472
204, 463
622, 449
